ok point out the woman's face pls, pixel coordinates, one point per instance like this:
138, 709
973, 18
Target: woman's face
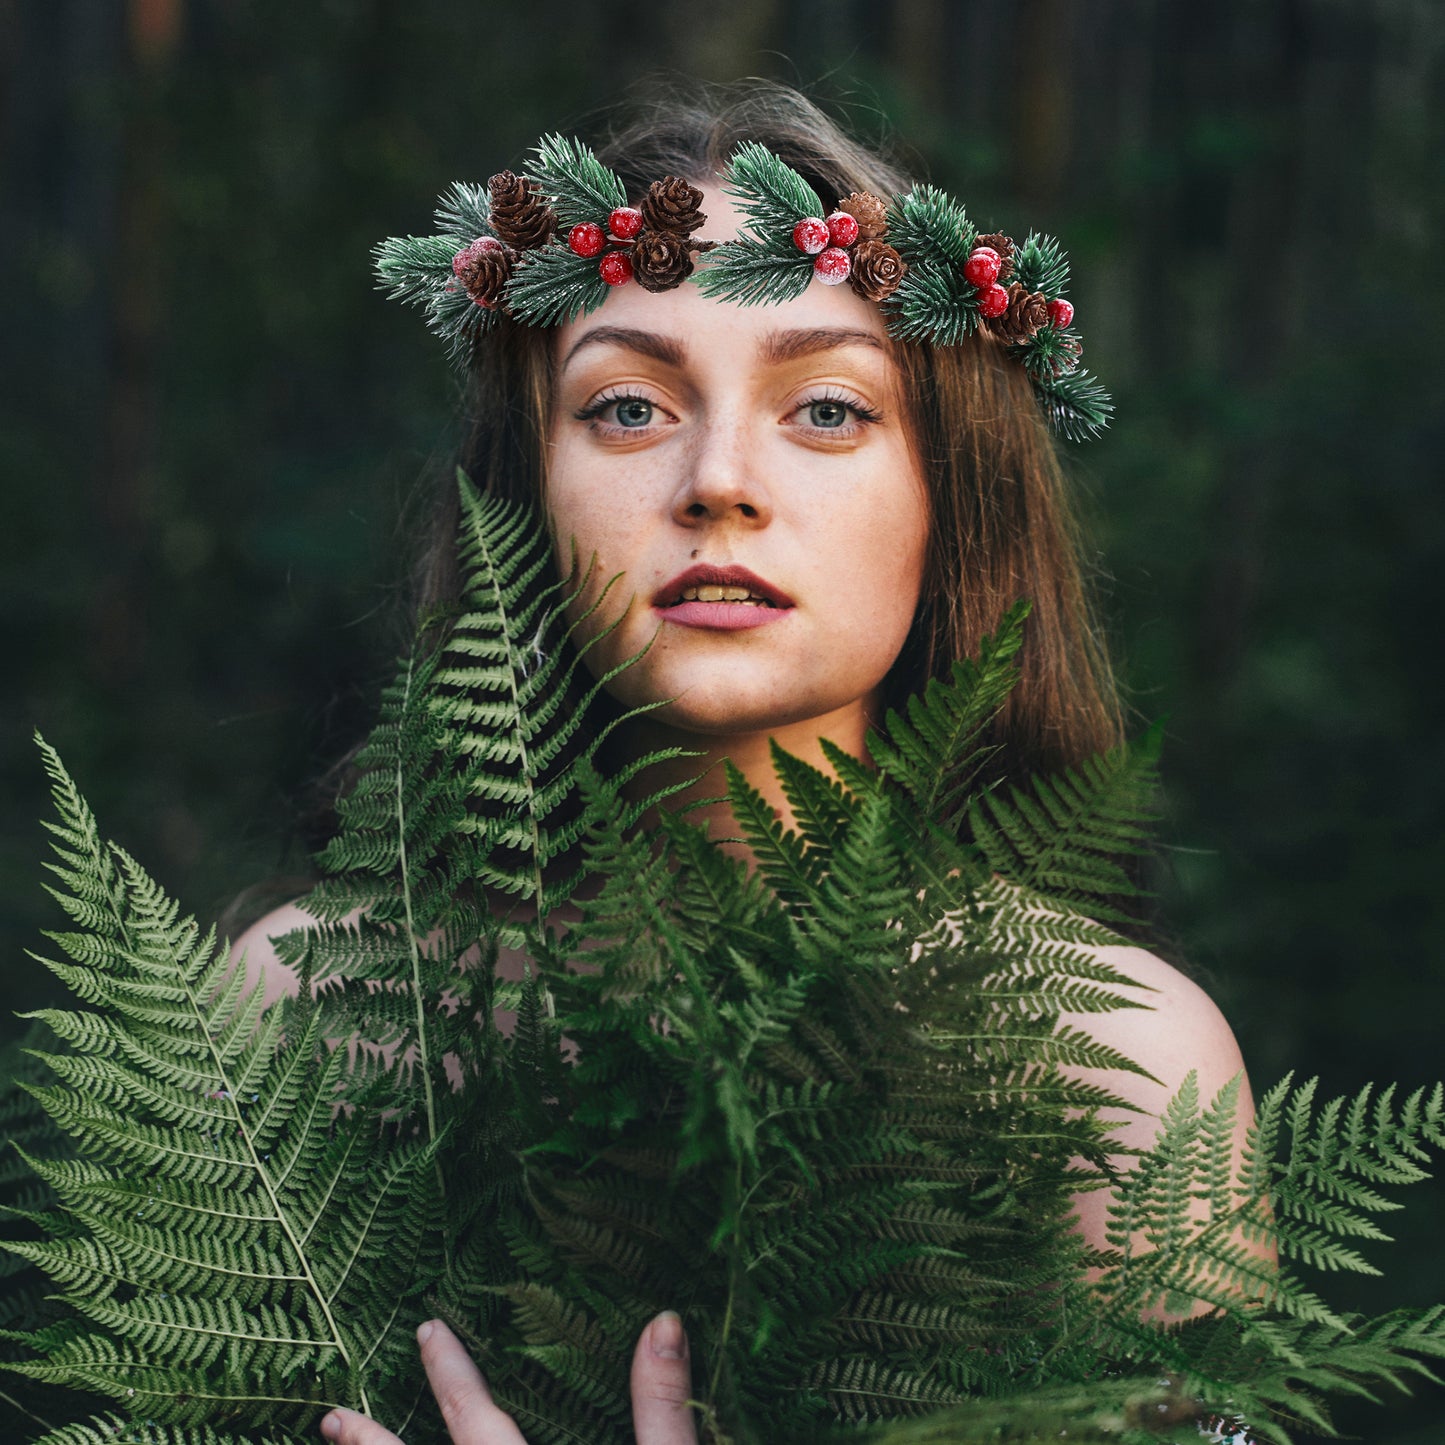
749, 472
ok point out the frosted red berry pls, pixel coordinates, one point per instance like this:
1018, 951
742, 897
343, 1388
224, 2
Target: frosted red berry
842, 228
810, 235
586, 238
1061, 312
992, 301
615, 268
832, 266
625, 222
982, 266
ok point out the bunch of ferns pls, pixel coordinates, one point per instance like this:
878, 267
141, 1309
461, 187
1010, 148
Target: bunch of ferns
824, 1106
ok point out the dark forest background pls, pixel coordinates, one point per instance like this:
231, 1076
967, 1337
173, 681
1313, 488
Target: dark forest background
213, 429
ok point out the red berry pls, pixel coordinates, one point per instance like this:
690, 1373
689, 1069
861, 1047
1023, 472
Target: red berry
625, 222
615, 268
842, 228
586, 239
1061, 312
992, 301
983, 266
832, 266
810, 235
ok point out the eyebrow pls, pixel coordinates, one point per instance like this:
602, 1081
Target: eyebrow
778, 346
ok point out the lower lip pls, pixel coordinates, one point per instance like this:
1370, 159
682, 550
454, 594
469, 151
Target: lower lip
722, 616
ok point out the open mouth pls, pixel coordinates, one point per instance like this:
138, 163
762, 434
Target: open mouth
723, 594
720, 586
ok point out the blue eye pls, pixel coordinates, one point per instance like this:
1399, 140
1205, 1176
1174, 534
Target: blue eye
828, 415
634, 411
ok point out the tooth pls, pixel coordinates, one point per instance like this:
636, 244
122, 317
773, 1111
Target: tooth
710, 594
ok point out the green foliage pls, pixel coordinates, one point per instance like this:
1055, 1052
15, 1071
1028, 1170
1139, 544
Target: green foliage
581, 187
226, 1246
763, 266
1074, 403
928, 225
1040, 265
555, 284
828, 1106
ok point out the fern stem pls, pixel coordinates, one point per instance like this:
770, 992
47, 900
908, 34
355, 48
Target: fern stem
416, 981
733, 1266
517, 667
233, 1093
39, 1420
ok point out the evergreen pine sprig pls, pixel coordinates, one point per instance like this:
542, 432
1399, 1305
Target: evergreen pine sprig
581, 187
1075, 405
1040, 265
554, 285
763, 266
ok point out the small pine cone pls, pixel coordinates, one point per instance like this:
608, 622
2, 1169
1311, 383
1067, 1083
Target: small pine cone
1005, 247
485, 271
869, 212
671, 204
660, 260
877, 269
519, 215
1027, 312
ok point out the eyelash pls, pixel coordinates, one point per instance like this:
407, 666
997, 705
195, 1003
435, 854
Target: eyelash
866, 415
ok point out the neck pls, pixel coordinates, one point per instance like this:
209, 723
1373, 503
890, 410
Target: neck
701, 777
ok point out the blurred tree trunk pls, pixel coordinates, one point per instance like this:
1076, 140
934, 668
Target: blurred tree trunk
137, 299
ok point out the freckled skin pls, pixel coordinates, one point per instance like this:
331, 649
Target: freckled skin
798, 468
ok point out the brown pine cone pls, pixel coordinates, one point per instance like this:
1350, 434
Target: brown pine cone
1005, 247
1027, 311
869, 212
660, 260
877, 269
484, 271
671, 204
519, 215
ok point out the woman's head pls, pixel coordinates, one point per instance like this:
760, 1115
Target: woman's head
995, 521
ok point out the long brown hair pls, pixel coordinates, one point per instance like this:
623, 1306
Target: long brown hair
1001, 524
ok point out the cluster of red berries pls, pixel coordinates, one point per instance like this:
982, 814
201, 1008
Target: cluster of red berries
981, 270
827, 242
589, 239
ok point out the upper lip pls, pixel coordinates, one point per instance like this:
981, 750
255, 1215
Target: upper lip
704, 574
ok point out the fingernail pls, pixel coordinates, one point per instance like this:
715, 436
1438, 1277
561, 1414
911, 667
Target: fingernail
331, 1426
423, 1333
666, 1338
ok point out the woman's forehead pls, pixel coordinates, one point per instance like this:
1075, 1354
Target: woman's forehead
684, 320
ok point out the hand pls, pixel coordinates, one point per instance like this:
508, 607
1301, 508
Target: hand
661, 1387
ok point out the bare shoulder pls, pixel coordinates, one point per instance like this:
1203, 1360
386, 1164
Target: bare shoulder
1174, 1030
256, 947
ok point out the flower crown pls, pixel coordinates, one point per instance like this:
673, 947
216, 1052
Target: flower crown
550, 246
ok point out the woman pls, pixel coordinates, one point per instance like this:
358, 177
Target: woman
811, 518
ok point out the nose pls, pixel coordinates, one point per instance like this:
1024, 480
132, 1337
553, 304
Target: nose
723, 479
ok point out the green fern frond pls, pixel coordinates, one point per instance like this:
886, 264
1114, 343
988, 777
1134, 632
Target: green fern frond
114, 1430
250, 1138
1062, 842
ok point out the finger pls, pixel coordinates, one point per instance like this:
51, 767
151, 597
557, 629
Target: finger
662, 1385
466, 1404
346, 1427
